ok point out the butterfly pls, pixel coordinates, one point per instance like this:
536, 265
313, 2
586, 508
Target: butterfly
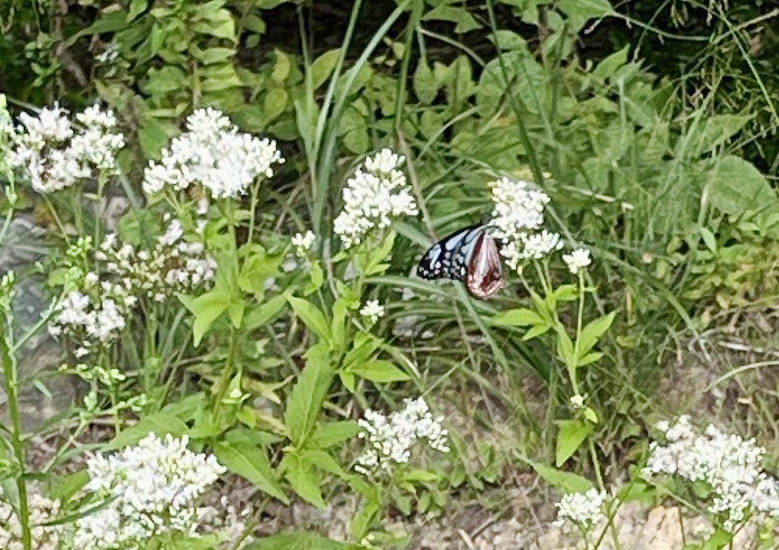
469, 255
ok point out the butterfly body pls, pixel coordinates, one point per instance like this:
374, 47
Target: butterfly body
469, 255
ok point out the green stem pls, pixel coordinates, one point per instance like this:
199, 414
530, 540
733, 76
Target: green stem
12, 390
252, 218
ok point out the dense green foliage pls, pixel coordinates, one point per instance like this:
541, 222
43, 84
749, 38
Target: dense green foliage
652, 128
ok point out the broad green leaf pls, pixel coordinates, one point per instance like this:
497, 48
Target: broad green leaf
379, 371
323, 66
570, 436
275, 102
585, 9
709, 239
507, 40
136, 8
299, 541
736, 186
716, 130
424, 83
718, 540
206, 309
160, 424
250, 462
535, 331
65, 487
464, 21
609, 65
311, 316
517, 318
333, 433
592, 332
565, 481
219, 24
304, 479
307, 396
264, 313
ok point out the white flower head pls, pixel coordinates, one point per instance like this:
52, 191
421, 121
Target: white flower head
376, 194
390, 439
149, 489
54, 154
517, 219
584, 509
372, 310
303, 243
212, 153
577, 401
578, 259
729, 464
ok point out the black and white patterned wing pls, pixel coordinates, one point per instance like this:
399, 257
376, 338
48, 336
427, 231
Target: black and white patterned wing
449, 258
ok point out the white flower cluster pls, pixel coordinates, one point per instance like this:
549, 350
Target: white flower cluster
729, 464
214, 154
42, 511
578, 259
149, 489
372, 310
390, 439
517, 216
93, 323
584, 509
373, 196
303, 243
172, 266
55, 154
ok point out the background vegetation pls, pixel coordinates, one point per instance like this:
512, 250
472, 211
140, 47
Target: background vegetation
651, 125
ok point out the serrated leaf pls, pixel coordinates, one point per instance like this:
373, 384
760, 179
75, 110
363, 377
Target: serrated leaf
251, 463
424, 83
737, 186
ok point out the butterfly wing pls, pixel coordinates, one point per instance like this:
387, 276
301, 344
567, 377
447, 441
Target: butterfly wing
449, 258
485, 268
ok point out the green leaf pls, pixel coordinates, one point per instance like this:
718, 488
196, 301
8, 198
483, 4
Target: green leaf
312, 317
136, 8
609, 65
379, 371
736, 186
250, 462
507, 40
333, 433
158, 423
565, 348
299, 541
571, 435
264, 313
718, 540
323, 66
424, 83
464, 21
66, 486
709, 239
206, 309
566, 481
716, 130
517, 318
304, 479
537, 330
307, 396
585, 9
275, 102
219, 24
592, 332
